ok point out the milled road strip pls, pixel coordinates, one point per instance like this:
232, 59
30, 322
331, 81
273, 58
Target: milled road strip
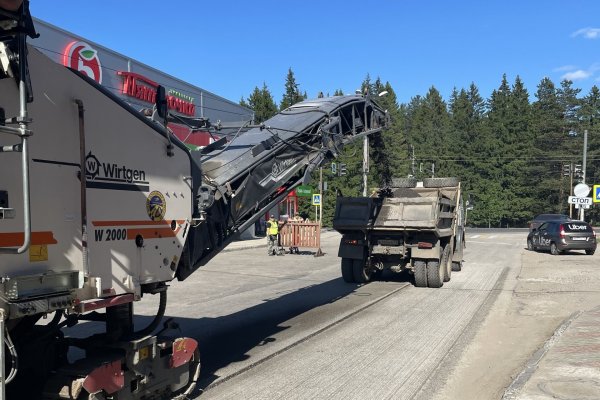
515, 387
343, 318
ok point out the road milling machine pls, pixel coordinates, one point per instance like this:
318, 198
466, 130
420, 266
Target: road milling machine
101, 205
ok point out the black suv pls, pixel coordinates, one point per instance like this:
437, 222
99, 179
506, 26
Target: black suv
558, 236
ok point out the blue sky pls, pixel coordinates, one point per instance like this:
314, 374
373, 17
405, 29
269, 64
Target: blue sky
229, 47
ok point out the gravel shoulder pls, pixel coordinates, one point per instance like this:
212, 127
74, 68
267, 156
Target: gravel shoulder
534, 299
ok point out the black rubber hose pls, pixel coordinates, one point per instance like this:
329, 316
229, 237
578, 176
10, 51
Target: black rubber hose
159, 315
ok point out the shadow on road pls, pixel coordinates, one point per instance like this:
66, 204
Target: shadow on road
228, 339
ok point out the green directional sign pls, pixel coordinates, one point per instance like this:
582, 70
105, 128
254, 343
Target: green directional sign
304, 191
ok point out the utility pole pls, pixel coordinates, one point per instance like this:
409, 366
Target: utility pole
322, 192
365, 164
585, 135
412, 156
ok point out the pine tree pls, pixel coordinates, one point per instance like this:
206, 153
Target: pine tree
570, 105
243, 103
292, 92
261, 102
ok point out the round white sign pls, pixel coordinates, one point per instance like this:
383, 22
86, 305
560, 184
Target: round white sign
581, 190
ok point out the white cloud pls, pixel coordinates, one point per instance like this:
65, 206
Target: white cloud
577, 75
565, 68
587, 33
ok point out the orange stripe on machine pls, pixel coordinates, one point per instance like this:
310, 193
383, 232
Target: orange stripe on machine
134, 223
13, 239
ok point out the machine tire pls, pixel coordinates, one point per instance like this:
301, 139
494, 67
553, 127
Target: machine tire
420, 273
590, 252
553, 249
440, 182
446, 264
347, 270
456, 266
362, 274
404, 182
435, 274
530, 245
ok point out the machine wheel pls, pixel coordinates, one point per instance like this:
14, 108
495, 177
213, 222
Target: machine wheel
347, 270
456, 266
362, 274
420, 272
530, 245
446, 264
404, 182
440, 182
435, 274
590, 252
553, 249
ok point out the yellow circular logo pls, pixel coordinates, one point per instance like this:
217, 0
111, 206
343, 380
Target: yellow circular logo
156, 206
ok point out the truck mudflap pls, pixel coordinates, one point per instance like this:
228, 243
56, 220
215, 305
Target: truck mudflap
352, 246
426, 253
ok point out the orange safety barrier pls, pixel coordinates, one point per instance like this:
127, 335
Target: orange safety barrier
301, 234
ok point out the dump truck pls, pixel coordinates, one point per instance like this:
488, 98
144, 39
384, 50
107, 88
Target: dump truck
409, 225
102, 206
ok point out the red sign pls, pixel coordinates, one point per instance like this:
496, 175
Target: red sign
142, 88
81, 57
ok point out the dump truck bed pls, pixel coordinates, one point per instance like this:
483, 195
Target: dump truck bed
422, 209
418, 209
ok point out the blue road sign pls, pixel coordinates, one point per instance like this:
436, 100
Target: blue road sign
316, 199
596, 194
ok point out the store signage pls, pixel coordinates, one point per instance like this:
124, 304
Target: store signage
142, 88
82, 57
304, 191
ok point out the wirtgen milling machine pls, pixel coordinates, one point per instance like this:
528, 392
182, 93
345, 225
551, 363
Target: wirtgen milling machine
101, 205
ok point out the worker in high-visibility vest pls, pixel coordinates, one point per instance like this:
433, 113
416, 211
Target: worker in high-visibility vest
273, 237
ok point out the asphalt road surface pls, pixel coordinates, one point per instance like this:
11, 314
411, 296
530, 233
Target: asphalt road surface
289, 327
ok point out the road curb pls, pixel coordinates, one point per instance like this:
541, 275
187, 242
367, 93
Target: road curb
513, 390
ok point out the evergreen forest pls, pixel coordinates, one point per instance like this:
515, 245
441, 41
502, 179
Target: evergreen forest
518, 154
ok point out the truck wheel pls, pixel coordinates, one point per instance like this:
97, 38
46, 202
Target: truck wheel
362, 274
347, 270
435, 274
440, 182
456, 266
420, 272
404, 182
446, 264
